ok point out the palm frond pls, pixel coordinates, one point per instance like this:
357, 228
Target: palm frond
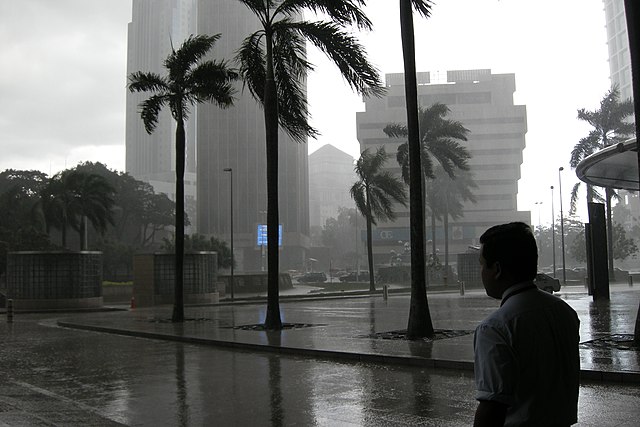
344, 13
423, 7
251, 57
150, 109
258, 7
290, 69
395, 130
346, 53
574, 199
402, 157
212, 81
585, 147
147, 82
180, 61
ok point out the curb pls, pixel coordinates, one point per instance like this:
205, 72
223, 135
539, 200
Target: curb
624, 377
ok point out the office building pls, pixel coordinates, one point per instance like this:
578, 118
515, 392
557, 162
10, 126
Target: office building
235, 138
483, 102
156, 27
618, 44
216, 139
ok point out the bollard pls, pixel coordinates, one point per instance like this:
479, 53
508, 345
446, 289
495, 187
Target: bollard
133, 302
385, 292
630, 281
461, 287
10, 311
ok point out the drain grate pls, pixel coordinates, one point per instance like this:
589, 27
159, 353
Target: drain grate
260, 326
439, 334
616, 341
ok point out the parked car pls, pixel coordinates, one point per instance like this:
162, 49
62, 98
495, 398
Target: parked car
547, 283
363, 276
313, 277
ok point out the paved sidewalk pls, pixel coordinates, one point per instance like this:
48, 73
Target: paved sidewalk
367, 328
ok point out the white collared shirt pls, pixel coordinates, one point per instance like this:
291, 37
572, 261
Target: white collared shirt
526, 357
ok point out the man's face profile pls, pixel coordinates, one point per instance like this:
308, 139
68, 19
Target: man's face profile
489, 274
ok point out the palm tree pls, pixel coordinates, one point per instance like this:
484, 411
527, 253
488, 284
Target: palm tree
187, 84
273, 65
93, 203
610, 126
445, 197
419, 324
71, 198
374, 194
57, 204
439, 138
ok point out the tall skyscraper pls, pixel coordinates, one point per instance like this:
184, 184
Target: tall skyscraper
235, 138
217, 139
618, 44
156, 27
483, 102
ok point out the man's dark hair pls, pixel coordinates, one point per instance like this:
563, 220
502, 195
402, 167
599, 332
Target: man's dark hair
514, 247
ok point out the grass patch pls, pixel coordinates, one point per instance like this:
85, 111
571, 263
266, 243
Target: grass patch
108, 283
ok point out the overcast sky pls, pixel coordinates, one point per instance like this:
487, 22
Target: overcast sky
63, 62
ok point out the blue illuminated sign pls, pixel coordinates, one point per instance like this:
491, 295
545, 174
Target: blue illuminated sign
262, 235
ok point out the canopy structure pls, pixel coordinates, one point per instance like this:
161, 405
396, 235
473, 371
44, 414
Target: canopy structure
615, 166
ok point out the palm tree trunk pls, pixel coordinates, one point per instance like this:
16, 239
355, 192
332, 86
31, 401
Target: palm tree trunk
445, 223
419, 325
273, 320
372, 284
609, 196
424, 219
178, 301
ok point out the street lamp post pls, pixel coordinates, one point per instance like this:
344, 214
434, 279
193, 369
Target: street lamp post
564, 266
230, 170
539, 210
553, 233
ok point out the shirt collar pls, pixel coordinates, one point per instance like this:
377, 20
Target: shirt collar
516, 288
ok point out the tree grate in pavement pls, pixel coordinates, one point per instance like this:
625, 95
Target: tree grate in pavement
167, 320
439, 334
615, 341
260, 326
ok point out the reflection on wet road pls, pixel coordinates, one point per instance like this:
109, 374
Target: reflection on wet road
77, 378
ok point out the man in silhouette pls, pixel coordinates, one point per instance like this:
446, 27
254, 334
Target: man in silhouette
527, 363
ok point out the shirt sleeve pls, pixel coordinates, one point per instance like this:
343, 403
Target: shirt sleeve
495, 365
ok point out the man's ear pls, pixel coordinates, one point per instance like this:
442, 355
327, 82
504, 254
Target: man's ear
498, 269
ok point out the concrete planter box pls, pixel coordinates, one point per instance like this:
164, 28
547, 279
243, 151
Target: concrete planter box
54, 280
117, 293
154, 274
252, 282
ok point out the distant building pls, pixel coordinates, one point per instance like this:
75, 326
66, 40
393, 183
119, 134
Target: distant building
331, 175
483, 102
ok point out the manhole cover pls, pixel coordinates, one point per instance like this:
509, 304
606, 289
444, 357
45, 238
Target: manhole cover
439, 334
616, 341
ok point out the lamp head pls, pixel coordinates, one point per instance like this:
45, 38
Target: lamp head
227, 169
561, 169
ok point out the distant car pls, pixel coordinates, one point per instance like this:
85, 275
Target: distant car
317, 277
547, 283
363, 276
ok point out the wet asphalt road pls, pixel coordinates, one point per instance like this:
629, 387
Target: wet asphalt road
50, 376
